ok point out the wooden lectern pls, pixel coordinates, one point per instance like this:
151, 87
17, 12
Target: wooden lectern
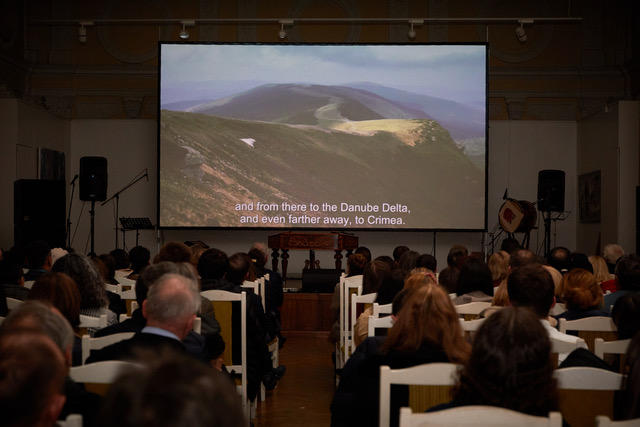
334, 241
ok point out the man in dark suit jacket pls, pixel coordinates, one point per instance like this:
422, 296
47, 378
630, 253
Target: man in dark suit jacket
170, 308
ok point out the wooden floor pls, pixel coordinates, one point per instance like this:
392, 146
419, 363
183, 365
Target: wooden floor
304, 394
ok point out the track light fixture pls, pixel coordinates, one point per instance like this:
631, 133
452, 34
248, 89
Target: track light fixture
282, 34
82, 30
184, 34
520, 33
412, 32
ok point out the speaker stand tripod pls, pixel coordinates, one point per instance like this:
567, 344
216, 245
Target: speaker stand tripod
92, 215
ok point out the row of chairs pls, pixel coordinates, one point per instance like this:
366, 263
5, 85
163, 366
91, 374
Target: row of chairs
575, 385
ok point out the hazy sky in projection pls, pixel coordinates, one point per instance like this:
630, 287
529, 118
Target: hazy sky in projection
455, 72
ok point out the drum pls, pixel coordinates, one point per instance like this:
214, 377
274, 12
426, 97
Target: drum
517, 216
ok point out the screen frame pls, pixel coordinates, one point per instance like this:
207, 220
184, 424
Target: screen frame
324, 229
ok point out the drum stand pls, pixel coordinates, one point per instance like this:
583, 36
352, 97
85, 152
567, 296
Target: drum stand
547, 233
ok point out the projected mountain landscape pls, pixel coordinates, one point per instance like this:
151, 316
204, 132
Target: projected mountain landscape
302, 143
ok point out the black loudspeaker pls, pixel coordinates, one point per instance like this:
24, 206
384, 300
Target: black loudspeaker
39, 212
320, 280
93, 178
551, 190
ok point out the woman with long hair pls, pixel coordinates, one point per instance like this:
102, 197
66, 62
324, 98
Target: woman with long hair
427, 330
582, 295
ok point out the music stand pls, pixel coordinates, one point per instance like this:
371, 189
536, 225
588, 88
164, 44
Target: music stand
135, 224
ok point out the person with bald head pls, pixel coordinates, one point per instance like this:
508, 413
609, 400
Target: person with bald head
170, 309
32, 372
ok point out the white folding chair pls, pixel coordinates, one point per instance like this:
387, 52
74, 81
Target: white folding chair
123, 317
93, 322
604, 421
381, 309
100, 372
116, 289
378, 323
89, 343
225, 296
258, 288
471, 325
477, 416
125, 281
29, 284
603, 347
13, 303
355, 300
427, 374
453, 295
557, 309
72, 420
472, 308
348, 286
122, 274
197, 325
562, 347
587, 378
594, 323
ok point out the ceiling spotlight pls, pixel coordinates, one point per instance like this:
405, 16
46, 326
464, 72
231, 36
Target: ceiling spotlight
184, 34
520, 33
282, 34
82, 31
412, 32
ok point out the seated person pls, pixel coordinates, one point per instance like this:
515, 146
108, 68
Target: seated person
474, 283
628, 275
11, 277
39, 259
582, 296
139, 257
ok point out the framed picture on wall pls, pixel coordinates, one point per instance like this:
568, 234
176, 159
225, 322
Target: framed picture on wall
589, 185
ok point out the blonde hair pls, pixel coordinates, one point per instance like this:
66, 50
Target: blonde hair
581, 291
557, 280
501, 295
419, 277
499, 266
600, 270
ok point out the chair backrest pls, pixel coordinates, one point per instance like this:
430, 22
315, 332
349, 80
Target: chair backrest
222, 301
89, 343
355, 301
477, 416
93, 322
584, 393
116, 289
197, 325
453, 295
590, 328
129, 298
378, 322
72, 420
603, 347
123, 317
125, 281
604, 421
13, 303
472, 308
471, 325
381, 309
557, 309
29, 284
559, 346
348, 286
434, 374
100, 372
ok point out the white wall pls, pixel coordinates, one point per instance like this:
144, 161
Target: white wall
8, 141
628, 141
518, 150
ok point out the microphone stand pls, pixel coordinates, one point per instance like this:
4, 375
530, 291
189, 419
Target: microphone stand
116, 196
73, 189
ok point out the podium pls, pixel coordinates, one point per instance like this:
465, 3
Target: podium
335, 241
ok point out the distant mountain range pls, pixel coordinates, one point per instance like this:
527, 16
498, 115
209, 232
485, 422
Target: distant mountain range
319, 105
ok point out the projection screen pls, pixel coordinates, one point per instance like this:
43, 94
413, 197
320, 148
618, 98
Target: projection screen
323, 136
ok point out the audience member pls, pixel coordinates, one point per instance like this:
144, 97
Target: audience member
407, 262
531, 286
628, 276
173, 392
600, 270
582, 295
474, 283
93, 295
628, 405
38, 259
559, 259
11, 277
373, 275
626, 315
174, 252
510, 366
579, 260
139, 257
355, 264
32, 372
212, 267
378, 279
419, 277
170, 308
363, 250
510, 245
448, 277
61, 291
522, 257
110, 264
37, 316
611, 254
197, 250
273, 289
57, 253
121, 257
499, 267
427, 261
427, 330
388, 260
557, 281
397, 253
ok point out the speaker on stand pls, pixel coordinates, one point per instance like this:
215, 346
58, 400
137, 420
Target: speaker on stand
39, 211
93, 187
550, 199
